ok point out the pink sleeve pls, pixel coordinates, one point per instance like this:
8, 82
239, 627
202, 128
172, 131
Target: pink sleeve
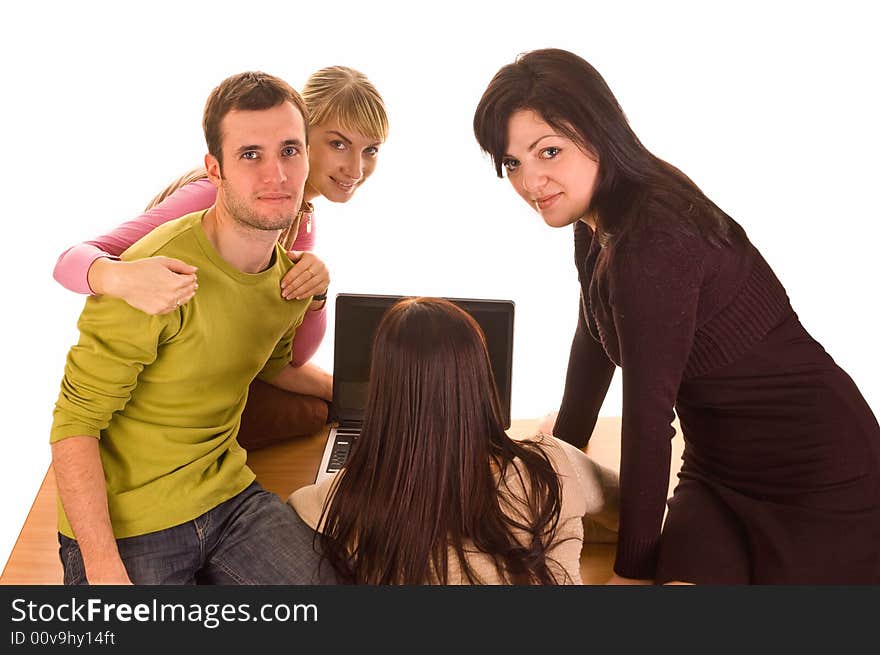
72, 268
310, 334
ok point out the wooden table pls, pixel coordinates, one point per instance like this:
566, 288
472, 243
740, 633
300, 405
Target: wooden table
282, 468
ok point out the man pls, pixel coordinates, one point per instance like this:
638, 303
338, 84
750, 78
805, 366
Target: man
152, 483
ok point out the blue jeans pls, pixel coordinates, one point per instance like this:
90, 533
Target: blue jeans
251, 539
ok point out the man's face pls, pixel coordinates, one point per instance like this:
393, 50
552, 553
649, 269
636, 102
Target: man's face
265, 166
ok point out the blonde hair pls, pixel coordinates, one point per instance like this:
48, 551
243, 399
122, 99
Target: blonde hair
194, 175
342, 94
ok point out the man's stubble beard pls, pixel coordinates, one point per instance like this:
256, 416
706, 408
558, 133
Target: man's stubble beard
243, 214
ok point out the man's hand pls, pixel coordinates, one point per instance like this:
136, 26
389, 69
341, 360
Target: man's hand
107, 572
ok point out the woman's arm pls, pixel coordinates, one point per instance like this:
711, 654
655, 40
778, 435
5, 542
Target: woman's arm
310, 334
74, 267
586, 385
654, 291
589, 369
599, 486
306, 379
309, 501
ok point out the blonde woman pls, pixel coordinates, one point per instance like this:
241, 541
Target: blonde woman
347, 126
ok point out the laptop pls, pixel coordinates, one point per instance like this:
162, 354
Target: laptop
357, 317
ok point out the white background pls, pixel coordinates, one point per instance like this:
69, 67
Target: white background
770, 107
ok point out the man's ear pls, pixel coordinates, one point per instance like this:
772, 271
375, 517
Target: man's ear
212, 166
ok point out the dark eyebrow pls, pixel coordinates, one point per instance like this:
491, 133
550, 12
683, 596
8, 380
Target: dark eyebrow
243, 149
533, 144
284, 144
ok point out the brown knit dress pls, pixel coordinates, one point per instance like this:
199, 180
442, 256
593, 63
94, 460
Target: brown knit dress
780, 481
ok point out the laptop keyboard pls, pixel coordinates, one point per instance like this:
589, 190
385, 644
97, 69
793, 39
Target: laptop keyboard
342, 444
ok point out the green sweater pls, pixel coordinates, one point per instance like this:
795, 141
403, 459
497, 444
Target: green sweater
164, 394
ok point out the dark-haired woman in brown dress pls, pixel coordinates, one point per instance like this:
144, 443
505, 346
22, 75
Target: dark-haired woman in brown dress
780, 481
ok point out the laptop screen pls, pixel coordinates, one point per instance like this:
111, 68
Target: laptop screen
358, 316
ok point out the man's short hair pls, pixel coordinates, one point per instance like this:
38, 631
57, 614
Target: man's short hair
251, 91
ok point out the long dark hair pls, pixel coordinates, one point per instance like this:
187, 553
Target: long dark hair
632, 183
427, 478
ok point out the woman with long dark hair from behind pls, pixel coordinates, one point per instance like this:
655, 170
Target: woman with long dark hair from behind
780, 481
435, 491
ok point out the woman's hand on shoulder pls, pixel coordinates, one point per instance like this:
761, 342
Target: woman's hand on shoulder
309, 276
155, 285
